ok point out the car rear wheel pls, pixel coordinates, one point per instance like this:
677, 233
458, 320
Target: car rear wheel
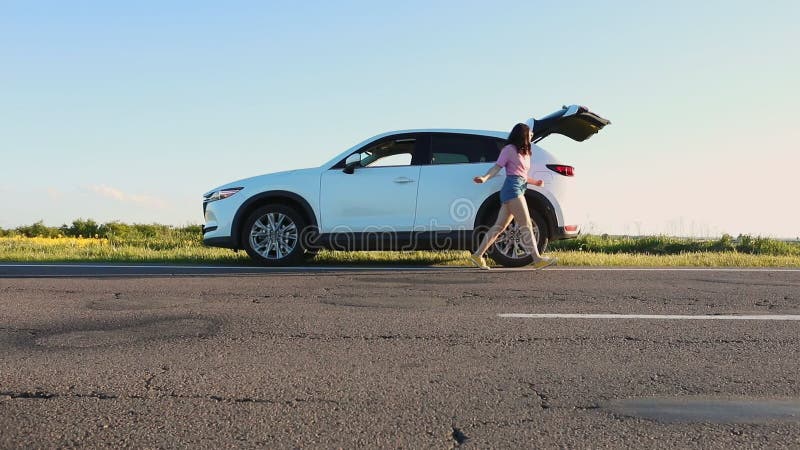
508, 250
272, 236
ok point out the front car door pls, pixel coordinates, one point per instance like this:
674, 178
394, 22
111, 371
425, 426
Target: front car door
377, 191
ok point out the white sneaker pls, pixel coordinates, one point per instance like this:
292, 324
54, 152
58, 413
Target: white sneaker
478, 261
544, 262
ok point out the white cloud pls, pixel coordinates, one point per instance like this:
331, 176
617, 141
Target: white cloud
122, 197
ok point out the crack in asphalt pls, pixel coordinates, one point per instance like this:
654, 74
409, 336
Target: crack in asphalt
698, 341
586, 408
148, 382
215, 398
518, 340
544, 402
406, 337
240, 400
743, 283
28, 394
44, 395
222, 399
503, 423
30, 331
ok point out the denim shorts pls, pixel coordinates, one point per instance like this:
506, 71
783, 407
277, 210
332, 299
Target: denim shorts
513, 187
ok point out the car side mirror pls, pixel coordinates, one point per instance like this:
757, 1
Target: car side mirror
351, 162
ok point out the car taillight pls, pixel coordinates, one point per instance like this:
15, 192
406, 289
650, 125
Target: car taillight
567, 171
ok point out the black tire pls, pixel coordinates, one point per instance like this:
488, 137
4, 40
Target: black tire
540, 230
275, 243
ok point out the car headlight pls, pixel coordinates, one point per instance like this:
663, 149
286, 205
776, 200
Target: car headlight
220, 194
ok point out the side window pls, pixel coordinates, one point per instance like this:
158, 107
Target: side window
500, 143
398, 152
463, 149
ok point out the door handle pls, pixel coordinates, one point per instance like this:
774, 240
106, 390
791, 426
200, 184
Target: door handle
403, 180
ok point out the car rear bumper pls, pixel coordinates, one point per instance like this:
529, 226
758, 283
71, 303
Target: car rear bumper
566, 232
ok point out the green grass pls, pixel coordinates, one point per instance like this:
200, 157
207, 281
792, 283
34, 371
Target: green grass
698, 259
569, 258
123, 243
20, 249
665, 245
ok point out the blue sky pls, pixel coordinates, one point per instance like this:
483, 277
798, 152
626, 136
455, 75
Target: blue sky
131, 110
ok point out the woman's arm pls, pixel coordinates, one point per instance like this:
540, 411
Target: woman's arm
535, 182
492, 172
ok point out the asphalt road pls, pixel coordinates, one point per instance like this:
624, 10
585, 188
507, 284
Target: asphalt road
372, 357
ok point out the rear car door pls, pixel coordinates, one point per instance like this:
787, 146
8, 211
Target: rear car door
448, 199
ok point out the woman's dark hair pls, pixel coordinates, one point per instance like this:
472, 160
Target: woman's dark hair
519, 138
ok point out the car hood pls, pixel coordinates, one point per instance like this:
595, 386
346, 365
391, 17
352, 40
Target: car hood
263, 180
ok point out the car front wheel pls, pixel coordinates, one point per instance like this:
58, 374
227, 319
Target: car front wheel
272, 235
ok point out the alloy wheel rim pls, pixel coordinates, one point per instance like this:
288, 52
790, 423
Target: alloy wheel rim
509, 242
273, 236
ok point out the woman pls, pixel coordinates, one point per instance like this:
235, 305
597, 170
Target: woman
515, 157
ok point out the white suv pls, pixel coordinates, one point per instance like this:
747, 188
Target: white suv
402, 190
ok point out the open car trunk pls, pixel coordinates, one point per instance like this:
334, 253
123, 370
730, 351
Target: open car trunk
575, 122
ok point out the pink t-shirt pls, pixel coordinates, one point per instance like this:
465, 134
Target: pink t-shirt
514, 163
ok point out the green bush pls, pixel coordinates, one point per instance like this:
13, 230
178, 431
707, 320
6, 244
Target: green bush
38, 229
152, 236
81, 228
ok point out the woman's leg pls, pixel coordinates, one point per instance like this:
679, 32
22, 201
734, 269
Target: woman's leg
503, 219
519, 210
